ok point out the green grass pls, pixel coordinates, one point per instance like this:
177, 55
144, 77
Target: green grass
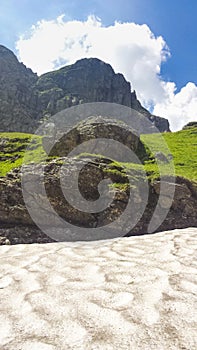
182, 145
13, 148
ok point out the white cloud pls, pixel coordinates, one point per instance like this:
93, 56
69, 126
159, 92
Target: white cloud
130, 48
179, 108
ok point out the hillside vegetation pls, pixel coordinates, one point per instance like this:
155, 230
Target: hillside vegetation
13, 147
182, 146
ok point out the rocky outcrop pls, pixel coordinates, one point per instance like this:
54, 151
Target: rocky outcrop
18, 227
94, 128
190, 125
88, 80
26, 98
19, 103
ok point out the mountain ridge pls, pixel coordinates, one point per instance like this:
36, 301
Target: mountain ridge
27, 99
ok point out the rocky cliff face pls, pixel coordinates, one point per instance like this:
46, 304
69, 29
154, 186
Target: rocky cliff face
27, 98
18, 227
18, 107
88, 80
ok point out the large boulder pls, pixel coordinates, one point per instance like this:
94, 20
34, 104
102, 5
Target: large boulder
98, 129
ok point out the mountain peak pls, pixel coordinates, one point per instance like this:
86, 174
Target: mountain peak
93, 61
5, 50
27, 98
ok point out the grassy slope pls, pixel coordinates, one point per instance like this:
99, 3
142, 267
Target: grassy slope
182, 145
13, 147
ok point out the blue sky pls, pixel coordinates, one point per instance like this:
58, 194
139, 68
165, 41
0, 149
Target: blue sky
174, 21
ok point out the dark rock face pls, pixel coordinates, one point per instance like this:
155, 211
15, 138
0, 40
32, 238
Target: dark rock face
26, 98
18, 107
88, 80
18, 227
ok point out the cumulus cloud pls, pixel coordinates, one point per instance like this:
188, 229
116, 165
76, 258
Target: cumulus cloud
179, 108
130, 48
